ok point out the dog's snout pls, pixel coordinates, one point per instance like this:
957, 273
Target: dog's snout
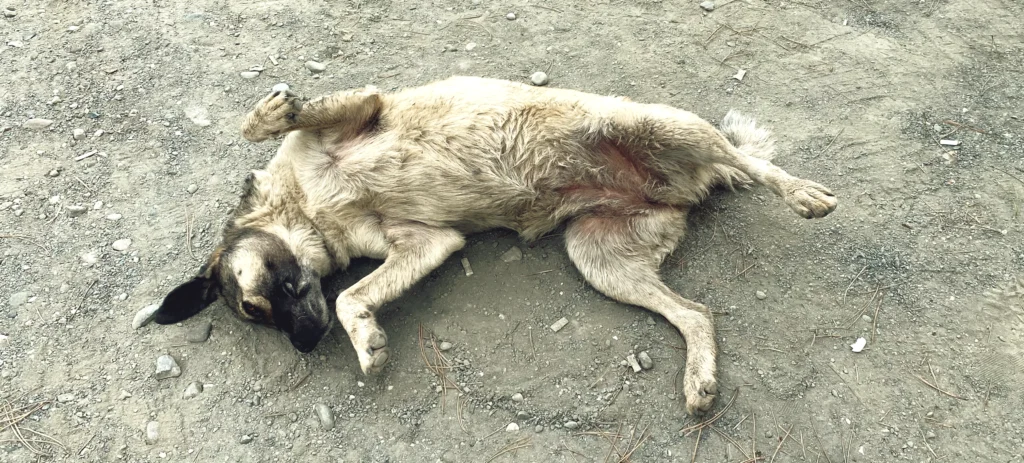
303, 288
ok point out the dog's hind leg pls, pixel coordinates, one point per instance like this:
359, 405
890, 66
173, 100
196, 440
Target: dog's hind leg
414, 251
678, 139
620, 256
346, 112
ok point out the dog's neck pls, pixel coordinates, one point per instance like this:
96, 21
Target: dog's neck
273, 203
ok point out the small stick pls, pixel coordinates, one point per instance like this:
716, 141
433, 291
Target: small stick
1008, 173
548, 8
197, 455
82, 450
964, 126
744, 271
696, 445
753, 435
783, 441
511, 447
833, 138
852, 282
874, 320
939, 390
708, 40
731, 441
821, 447
301, 380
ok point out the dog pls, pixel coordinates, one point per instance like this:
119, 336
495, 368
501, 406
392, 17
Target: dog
405, 176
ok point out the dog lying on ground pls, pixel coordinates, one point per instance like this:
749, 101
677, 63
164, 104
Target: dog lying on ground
405, 176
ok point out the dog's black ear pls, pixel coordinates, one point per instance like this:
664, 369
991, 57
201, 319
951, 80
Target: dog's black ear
186, 300
192, 296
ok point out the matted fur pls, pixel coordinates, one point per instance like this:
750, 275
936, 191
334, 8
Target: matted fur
405, 176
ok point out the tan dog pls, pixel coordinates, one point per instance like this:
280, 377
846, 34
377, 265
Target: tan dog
404, 176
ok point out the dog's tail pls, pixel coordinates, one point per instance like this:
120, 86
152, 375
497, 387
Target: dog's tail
744, 133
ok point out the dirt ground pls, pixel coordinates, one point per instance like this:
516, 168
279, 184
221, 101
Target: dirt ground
924, 257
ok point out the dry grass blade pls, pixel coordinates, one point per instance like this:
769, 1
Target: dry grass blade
439, 366
731, 441
632, 446
511, 447
11, 418
696, 445
783, 441
718, 415
950, 394
861, 272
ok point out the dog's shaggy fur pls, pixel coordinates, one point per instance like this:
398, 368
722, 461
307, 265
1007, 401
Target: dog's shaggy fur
404, 176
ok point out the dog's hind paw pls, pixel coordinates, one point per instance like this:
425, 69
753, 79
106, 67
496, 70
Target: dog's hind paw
809, 199
700, 393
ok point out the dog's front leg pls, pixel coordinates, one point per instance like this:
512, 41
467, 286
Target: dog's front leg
414, 251
281, 112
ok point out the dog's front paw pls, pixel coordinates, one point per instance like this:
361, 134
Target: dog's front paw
272, 116
700, 390
368, 338
809, 199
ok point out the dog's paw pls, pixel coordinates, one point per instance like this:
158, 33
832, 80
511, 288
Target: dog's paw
700, 390
272, 116
373, 351
809, 199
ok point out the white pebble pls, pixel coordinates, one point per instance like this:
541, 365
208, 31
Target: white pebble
281, 87
510, 16
557, 326
144, 316
512, 427
445, 345
315, 67
470, 46
708, 6
859, 344
539, 78
760, 295
121, 245
152, 432
249, 74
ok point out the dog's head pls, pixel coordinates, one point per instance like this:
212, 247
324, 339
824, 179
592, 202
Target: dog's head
257, 273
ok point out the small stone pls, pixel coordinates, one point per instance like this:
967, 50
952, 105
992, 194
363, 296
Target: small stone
512, 255
200, 332
245, 439
166, 367
144, 316
930, 435
760, 295
193, 389
18, 299
315, 67
538, 429
77, 211
192, 188
645, 360
571, 425
53, 173
858, 345
37, 124
10, 12
65, 398
539, 78
198, 116
466, 267
517, 397
470, 46
78, 134
121, 245
124, 395
510, 16
98, 133
325, 415
152, 432
557, 326
90, 258
114, 217
512, 427
4, 341
866, 318
249, 74
631, 360
445, 345
281, 87
707, 6
650, 321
